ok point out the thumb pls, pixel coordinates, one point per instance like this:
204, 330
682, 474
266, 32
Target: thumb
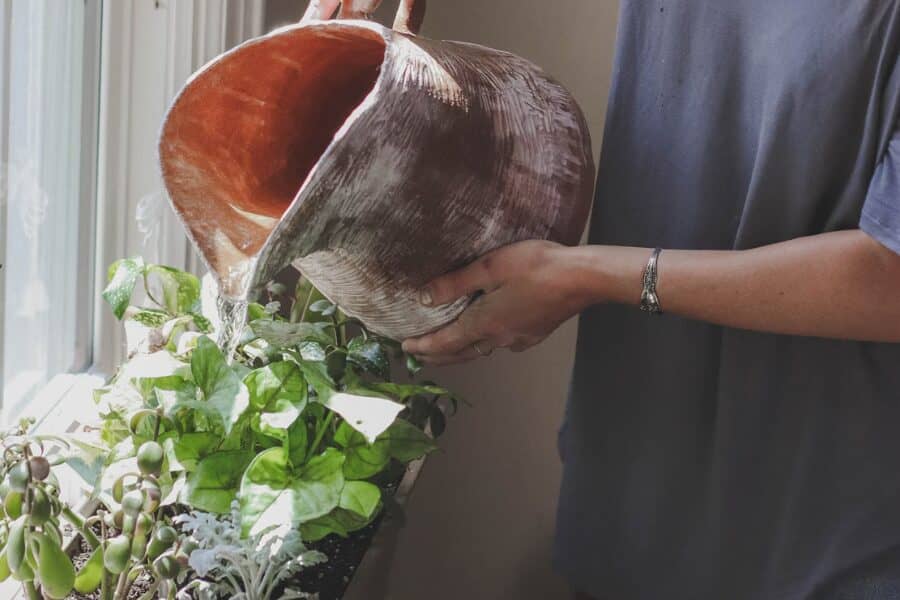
456, 284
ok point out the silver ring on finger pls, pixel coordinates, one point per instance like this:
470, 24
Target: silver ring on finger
481, 352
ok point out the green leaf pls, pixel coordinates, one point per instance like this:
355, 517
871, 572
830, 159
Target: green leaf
276, 388
263, 486
360, 497
286, 335
323, 307
187, 450
201, 322
369, 415
408, 442
257, 311
270, 495
198, 412
402, 391
362, 460
123, 276
155, 366
369, 355
150, 317
215, 483
54, 567
339, 521
322, 527
222, 388
181, 291
297, 440
413, 366
91, 573
316, 374
313, 351
322, 466
89, 460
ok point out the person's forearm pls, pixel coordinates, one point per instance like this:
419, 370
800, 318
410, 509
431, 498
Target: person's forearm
837, 285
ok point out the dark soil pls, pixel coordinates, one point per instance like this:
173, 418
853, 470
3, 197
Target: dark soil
331, 578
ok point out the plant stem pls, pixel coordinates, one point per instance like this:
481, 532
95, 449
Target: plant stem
156, 426
31, 590
305, 304
122, 584
78, 523
106, 580
320, 433
133, 574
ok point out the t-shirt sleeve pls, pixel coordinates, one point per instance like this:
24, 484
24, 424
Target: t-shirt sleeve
881, 210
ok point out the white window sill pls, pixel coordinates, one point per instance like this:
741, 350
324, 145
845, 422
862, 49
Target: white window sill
64, 398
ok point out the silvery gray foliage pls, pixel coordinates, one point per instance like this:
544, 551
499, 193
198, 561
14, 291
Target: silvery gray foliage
250, 568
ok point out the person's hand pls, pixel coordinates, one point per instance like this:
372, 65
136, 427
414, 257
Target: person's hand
529, 289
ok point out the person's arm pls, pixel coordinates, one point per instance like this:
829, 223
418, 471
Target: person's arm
836, 285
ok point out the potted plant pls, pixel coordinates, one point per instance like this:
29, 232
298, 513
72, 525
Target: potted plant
219, 472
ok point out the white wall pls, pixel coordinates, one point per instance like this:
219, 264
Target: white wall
481, 520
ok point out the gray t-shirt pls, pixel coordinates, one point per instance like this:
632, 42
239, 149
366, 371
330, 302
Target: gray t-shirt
708, 463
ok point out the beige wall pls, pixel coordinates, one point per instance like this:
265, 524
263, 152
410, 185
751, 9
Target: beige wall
480, 523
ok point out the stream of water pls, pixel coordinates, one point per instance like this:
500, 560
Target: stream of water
233, 316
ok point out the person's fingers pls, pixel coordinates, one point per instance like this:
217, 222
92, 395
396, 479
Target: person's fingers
358, 9
467, 355
450, 340
521, 346
320, 9
456, 284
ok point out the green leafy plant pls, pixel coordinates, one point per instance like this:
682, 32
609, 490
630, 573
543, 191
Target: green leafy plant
215, 468
299, 422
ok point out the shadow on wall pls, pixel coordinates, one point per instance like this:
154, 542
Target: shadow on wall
480, 523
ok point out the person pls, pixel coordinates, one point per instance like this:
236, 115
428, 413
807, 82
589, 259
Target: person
746, 443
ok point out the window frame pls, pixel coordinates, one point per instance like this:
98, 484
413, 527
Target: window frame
87, 169
5, 22
170, 40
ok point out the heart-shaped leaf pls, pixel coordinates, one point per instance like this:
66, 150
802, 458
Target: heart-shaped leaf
270, 494
276, 388
370, 355
181, 290
362, 460
222, 387
286, 335
214, 485
123, 276
408, 442
369, 415
361, 498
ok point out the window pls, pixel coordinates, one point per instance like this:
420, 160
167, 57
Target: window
84, 85
48, 132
